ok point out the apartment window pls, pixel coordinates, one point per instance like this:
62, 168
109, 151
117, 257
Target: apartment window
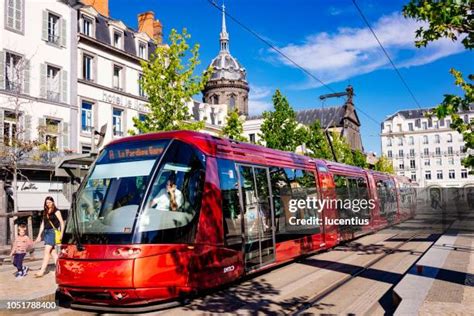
439, 161
425, 139
117, 77
142, 50
389, 127
425, 125
9, 128
117, 122
413, 177
87, 25
85, 149
452, 174
51, 133
142, 117
410, 127
427, 162
389, 142
14, 14
52, 83
141, 91
399, 127
450, 161
428, 175
86, 117
437, 140
252, 139
426, 151
439, 174
461, 149
400, 141
412, 164
117, 38
13, 72
463, 174
412, 153
438, 151
53, 28
400, 153
389, 153
411, 140
430, 123
450, 150
448, 123
441, 122
87, 67
450, 138
401, 165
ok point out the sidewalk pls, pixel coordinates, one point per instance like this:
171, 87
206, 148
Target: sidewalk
28, 287
442, 281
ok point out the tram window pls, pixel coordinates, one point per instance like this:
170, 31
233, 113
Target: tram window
171, 208
230, 202
281, 191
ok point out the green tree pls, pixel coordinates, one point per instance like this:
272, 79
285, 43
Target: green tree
342, 149
360, 160
317, 142
280, 129
446, 19
449, 19
234, 128
384, 165
169, 82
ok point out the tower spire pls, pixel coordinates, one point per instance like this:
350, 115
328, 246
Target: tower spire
224, 36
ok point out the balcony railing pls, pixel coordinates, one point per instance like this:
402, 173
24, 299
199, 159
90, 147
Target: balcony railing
52, 95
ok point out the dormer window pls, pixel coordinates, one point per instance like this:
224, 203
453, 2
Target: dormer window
87, 26
117, 39
142, 50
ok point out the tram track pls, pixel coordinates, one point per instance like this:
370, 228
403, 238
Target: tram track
317, 299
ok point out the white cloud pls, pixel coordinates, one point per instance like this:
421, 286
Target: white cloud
259, 100
349, 52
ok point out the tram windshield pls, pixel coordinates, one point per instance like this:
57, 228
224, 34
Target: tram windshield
107, 205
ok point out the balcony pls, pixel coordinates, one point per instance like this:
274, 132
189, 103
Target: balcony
53, 96
34, 158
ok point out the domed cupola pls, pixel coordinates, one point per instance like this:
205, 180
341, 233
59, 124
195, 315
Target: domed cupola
228, 82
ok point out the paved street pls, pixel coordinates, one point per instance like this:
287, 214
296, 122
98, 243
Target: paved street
403, 269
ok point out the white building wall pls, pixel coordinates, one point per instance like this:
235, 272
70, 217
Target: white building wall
434, 150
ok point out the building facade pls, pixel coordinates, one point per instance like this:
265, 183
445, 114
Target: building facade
108, 57
228, 83
426, 149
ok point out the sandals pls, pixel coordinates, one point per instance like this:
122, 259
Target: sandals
39, 275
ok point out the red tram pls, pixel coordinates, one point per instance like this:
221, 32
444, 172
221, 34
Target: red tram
161, 216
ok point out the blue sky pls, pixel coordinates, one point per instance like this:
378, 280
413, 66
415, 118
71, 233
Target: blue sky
329, 39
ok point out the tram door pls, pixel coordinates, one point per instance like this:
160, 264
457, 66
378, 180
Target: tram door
258, 221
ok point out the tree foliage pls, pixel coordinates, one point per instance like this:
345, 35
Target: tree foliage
359, 159
169, 82
449, 19
317, 142
384, 165
446, 19
280, 129
342, 149
234, 128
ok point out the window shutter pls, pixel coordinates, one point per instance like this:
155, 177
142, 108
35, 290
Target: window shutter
1, 126
43, 80
65, 135
63, 32
44, 33
27, 127
41, 129
64, 86
2, 70
26, 76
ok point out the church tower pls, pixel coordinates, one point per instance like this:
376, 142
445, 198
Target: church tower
228, 83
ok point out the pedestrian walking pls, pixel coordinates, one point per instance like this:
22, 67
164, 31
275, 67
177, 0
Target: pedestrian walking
21, 245
52, 225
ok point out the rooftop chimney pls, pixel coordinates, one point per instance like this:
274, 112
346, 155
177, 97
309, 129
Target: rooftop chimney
102, 6
152, 27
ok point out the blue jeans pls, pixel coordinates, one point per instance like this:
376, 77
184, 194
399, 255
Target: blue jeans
49, 237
